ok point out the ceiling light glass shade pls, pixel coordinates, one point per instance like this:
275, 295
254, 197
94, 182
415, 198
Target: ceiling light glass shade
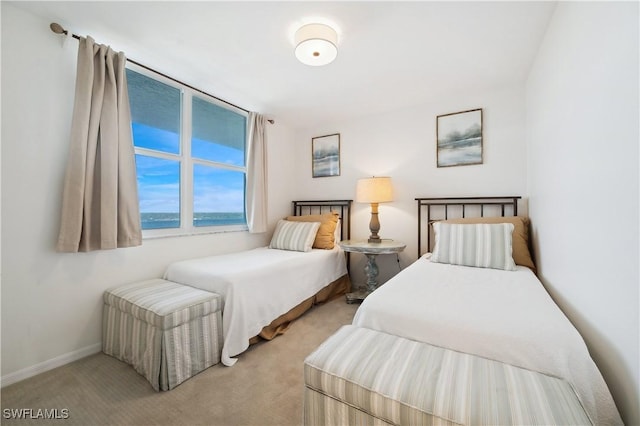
316, 44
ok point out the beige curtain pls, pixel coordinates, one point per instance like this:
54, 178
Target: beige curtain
100, 200
256, 198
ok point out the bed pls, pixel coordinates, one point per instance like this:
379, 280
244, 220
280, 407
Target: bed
497, 314
266, 288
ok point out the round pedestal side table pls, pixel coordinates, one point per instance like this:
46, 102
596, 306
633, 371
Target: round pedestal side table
371, 250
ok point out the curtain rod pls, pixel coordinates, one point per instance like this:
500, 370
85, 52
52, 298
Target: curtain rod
58, 29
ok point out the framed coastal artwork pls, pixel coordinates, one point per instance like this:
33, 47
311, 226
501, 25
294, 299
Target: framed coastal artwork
459, 138
325, 155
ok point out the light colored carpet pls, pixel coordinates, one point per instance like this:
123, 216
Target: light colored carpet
265, 387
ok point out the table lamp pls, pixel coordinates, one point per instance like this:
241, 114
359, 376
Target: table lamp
374, 190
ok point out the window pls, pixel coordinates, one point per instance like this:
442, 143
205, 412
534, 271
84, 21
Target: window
190, 158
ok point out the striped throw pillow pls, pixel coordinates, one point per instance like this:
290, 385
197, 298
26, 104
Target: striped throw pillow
295, 236
481, 245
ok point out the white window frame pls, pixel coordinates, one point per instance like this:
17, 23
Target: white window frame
186, 162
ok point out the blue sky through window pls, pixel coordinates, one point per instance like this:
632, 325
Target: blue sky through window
156, 139
207, 150
215, 190
158, 184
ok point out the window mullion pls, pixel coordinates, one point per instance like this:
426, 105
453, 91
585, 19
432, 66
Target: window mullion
218, 165
156, 154
186, 189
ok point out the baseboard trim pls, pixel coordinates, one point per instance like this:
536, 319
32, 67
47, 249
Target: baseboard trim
58, 361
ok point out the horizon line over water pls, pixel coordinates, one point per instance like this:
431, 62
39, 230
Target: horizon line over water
160, 220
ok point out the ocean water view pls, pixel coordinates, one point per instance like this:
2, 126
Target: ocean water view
172, 220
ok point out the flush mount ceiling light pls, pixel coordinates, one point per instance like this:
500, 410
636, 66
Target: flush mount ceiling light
316, 44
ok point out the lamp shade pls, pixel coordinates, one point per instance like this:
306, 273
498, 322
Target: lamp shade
316, 44
374, 190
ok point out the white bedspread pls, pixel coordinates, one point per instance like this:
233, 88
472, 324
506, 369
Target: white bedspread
502, 315
257, 286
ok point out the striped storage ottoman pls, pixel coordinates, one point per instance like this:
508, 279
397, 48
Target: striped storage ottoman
167, 331
361, 376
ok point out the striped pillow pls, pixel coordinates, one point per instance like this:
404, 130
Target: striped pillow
328, 221
481, 245
295, 236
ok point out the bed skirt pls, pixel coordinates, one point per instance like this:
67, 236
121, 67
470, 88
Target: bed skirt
280, 325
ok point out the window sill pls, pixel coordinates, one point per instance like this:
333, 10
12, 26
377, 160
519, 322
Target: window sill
154, 234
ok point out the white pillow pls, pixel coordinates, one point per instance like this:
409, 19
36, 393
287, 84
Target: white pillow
481, 245
295, 236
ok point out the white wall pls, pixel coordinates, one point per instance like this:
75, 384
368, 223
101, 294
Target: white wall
401, 144
51, 302
582, 126
581, 159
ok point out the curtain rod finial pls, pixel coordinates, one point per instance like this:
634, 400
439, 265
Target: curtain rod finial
57, 28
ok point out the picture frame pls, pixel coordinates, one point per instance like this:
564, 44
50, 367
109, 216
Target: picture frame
325, 155
459, 138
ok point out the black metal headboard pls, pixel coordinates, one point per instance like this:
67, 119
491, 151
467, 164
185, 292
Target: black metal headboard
342, 207
460, 207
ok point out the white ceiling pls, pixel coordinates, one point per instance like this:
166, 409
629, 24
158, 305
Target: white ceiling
391, 54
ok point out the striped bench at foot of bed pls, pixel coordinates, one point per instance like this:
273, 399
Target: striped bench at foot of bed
361, 376
168, 332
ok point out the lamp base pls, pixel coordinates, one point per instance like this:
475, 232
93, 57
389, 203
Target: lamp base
374, 225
